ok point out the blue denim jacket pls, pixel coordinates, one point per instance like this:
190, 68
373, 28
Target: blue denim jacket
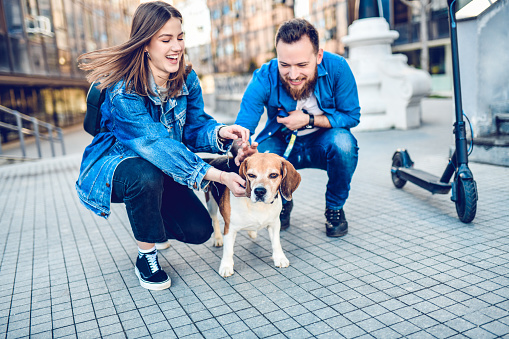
165, 134
335, 90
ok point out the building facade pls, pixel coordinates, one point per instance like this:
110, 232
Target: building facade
406, 21
40, 41
196, 26
330, 17
242, 32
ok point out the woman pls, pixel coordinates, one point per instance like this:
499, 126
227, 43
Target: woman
152, 122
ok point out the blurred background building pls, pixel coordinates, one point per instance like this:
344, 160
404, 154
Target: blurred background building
242, 32
40, 41
196, 25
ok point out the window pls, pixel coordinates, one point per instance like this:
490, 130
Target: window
37, 59
400, 12
227, 30
52, 56
238, 5
240, 46
437, 60
62, 38
226, 9
219, 51
89, 31
21, 62
228, 49
14, 17
4, 52
237, 26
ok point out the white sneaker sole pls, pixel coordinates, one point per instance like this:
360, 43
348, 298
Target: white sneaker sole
162, 245
152, 286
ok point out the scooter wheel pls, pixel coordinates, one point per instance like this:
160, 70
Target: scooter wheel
466, 199
397, 161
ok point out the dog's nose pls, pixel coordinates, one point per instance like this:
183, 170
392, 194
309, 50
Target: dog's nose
260, 191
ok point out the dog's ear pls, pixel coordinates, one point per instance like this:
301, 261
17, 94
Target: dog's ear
290, 181
242, 173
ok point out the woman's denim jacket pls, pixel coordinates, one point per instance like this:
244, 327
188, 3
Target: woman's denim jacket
165, 134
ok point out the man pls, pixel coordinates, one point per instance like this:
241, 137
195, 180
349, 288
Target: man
311, 93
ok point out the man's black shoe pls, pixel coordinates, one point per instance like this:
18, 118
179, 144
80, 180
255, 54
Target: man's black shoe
336, 225
150, 273
284, 217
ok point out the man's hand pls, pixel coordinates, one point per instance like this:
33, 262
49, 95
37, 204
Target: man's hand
234, 132
245, 150
294, 120
235, 183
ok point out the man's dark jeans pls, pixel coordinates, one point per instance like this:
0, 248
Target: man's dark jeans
159, 208
334, 150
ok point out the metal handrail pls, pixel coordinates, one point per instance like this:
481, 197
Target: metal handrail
53, 134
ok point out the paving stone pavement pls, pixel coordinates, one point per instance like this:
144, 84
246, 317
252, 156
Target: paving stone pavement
407, 268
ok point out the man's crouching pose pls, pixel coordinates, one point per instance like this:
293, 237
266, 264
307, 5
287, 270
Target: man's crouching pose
311, 95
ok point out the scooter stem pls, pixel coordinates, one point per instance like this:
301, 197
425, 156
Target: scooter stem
459, 125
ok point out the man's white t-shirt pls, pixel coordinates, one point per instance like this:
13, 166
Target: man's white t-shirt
311, 106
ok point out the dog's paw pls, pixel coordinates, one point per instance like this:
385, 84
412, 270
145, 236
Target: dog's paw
252, 234
218, 241
281, 261
226, 270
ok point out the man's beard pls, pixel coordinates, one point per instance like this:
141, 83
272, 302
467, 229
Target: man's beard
304, 92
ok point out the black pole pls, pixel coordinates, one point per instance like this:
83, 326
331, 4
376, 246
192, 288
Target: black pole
459, 125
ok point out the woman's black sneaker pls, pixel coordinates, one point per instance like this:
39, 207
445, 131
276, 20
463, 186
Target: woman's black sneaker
336, 225
284, 217
150, 273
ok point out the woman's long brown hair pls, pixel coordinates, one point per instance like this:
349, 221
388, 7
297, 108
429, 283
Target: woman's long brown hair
128, 61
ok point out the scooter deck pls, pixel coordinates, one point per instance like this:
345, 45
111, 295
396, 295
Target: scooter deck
425, 180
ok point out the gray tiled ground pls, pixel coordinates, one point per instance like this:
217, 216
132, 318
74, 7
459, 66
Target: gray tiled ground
407, 268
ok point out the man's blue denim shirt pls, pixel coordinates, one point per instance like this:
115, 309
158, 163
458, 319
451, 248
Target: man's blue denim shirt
335, 90
165, 134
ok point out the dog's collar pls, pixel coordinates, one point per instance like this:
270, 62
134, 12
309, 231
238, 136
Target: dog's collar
277, 195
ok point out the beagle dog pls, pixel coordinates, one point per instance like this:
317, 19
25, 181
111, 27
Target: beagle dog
268, 177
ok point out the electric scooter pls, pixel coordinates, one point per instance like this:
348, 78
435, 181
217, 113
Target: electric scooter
464, 188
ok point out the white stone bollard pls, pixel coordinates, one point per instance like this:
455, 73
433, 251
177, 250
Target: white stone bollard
390, 91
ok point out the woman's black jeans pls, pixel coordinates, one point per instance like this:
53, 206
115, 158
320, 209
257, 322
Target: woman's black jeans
159, 208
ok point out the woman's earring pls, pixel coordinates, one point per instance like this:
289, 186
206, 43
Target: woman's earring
147, 55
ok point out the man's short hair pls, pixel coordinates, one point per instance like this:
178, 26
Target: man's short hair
292, 31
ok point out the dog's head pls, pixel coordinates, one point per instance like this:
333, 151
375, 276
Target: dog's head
266, 174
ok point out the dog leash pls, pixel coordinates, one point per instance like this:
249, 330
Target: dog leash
289, 148
282, 113
293, 136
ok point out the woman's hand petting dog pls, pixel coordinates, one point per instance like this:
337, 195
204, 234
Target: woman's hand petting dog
241, 147
235, 183
234, 132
